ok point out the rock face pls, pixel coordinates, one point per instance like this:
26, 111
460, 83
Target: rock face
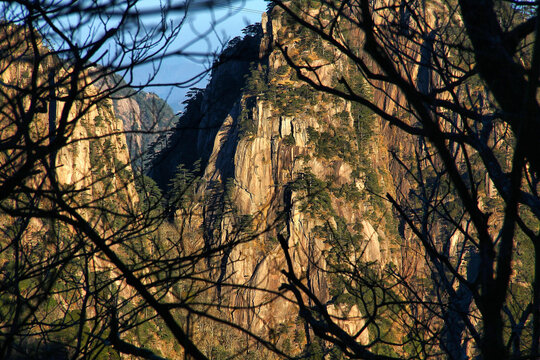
146, 119
299, 165
106, 153
96, 152
81, 170
206, 111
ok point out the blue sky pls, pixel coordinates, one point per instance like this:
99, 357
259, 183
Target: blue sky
218, 24
230, 19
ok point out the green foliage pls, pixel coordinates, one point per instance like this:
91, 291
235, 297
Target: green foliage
270, 243
184, 185
122, 170
289, 140
372, 183
287, 347
98, 121
256, 82
315, 351
525, 252
322, 53
308, 4
149, 193
244, 224
353, 282
287, 99
282, 70
96, 158
253, 30
363, 122
109, 150
299, 337
246, 123
317, 199
332, 143
219, 352
349, 192
291, 100
336, 354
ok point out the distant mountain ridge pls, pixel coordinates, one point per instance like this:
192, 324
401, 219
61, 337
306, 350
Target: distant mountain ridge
147, 119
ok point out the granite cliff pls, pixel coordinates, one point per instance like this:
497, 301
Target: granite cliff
297, 164
309, 173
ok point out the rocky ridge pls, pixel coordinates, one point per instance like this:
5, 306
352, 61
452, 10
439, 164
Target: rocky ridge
299, 165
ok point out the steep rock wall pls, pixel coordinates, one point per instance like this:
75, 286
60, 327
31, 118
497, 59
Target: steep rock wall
205, 112
298, 164
88, 178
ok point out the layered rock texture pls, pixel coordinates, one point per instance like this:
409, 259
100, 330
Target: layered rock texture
95, 161
298, 165
49, 267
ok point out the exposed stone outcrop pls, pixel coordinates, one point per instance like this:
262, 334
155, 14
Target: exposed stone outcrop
299, 164
147, 119
71, 164
206, 111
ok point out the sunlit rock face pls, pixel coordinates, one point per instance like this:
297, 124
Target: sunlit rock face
85, 183
297, 164
95, 162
